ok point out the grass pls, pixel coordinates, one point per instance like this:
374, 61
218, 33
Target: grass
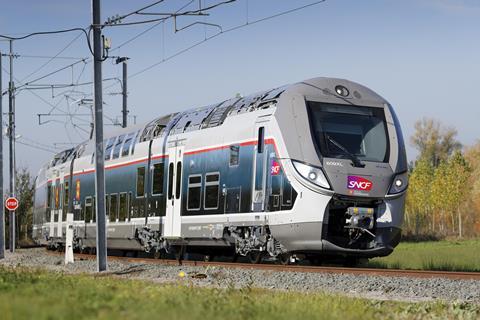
445, 255
33, 294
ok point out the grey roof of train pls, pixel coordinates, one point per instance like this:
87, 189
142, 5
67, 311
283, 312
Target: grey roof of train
214, 114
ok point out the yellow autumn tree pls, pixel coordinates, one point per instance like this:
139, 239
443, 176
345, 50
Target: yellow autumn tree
418, 206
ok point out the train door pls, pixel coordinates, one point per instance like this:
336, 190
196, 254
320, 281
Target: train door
60, 205
173, 222
259, 176
53, 206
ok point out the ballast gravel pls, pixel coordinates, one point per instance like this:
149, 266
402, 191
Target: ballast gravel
364, 286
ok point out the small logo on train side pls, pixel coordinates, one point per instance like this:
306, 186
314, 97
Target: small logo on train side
275, 168
359, 183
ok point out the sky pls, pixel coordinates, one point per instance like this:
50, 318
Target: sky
421, 55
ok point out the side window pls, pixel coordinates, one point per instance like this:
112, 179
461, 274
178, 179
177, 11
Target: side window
127, 144
108, 148
130, 205
107, 206
94, 210
170, 181
135, 140
140, 182
123, 212
212, 182
261, 139
194, 192
286, 193
57, 197
88, 209
118, 146
178, 183
65, 196
113, 207
157, 185
49, 197
234, 155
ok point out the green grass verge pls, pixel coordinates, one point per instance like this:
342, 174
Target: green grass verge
433, 255
30, 294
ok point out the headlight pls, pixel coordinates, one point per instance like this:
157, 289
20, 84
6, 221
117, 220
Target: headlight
400, 183
312, 174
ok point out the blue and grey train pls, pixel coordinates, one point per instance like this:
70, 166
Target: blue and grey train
308, 170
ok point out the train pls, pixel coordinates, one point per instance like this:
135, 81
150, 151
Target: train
309, 170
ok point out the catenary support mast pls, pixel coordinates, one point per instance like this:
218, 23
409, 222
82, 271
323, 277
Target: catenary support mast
98, 124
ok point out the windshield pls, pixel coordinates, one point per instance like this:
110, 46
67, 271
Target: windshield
342, 131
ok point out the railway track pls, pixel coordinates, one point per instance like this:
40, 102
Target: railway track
297, 268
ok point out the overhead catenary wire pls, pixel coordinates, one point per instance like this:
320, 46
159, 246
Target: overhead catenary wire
246, 24
199, 11
148, 29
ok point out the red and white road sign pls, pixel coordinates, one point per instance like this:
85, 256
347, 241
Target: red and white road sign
11, 204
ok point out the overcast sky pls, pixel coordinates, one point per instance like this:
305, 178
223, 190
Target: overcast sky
421, 55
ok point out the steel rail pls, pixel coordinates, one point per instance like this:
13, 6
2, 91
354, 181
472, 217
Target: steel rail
455, 275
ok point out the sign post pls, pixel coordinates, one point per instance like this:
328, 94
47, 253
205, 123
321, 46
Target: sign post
69, 240
11, 203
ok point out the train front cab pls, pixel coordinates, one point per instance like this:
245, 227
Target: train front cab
349, 168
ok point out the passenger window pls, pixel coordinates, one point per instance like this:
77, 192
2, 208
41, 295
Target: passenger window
108, 148
94, 210
113, 207
286, 193
123, 212
157, 185
194, 192
118, 146
135, 140
49, 197
212, 182
140, 182
178, 183
107, 206
65, 196
130, 205
234, 155
127, 144
261, 139
170, 181
88, 209
57, 197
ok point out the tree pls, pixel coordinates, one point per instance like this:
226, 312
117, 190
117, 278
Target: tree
419, 195
458, 189
472, 155
440, 197
434, 141
24, 191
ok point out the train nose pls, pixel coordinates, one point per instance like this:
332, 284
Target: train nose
373, 180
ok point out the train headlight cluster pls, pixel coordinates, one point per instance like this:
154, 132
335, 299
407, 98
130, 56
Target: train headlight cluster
312, 174
400, 183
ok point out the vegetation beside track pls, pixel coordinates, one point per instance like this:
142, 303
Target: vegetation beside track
34, 294
445, 255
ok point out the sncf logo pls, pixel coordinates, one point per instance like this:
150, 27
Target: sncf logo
359, 183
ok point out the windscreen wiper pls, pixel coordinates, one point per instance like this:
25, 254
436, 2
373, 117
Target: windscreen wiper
356, 161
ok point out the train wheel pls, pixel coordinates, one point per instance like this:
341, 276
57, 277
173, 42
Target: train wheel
235, 258
159, 254
255, 257
315, 261
180, 254
350, 262
284, 258
208, 257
